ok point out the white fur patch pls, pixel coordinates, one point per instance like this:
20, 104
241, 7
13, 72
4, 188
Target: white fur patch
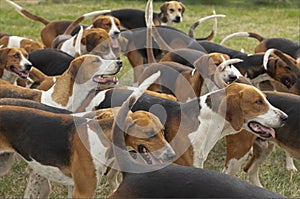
52, 173
14, 41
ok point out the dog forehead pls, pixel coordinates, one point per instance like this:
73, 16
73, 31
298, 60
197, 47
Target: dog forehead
173, 4
146, 119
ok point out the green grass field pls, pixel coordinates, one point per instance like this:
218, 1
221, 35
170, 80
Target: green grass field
268, 19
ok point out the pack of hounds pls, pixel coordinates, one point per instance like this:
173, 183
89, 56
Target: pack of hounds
63, 110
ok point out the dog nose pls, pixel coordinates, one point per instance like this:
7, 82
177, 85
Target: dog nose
28, 66
177, 18
116, 33
232, 77
284, 117
119, 63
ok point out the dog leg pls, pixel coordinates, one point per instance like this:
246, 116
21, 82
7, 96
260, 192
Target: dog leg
233, 165
6, 162
112, 178
290, 166
261, 150
70, 191
37, 186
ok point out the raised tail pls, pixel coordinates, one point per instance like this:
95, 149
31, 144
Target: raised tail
27, 14
213, 32
149, 22
242, 34
71, 27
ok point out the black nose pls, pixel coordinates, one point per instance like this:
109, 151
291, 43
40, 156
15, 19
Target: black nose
119, 63
116, 33
284, 117
28, 66
177, 18
232, 77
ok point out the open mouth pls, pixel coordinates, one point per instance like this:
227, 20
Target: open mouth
115, 42
147, 156
101, 79
261, 130
23, 74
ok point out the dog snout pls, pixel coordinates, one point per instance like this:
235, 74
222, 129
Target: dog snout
116, 33
232, 77
119, 63
283, 116
28, 66
177, 18
169, 154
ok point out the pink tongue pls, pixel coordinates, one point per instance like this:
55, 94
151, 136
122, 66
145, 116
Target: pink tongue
269, 131
259, 127
115, 43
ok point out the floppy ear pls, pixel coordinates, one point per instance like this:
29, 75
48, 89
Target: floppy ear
230, 108
163, 7
205, 66
91, 40
183, 8
163, 12
74, 68
3, 57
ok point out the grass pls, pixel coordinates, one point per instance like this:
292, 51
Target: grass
275, 20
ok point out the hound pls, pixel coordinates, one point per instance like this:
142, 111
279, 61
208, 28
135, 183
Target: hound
14, 63
69, 91
171, 180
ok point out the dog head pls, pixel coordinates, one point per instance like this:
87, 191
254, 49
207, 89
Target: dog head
14, 60
281, 67
145, 133
218, 68
246, 107
97, 41
93, 69
172, 11
109, 23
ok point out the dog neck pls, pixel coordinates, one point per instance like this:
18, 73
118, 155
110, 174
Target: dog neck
9, 76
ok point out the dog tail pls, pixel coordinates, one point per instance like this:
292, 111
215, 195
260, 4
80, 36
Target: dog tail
149, 23
243, 34
27, 14
213, 32
70, 28
122, 157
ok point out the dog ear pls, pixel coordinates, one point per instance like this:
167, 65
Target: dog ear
74, 68
205, 66
3, 57
230, 108
182, 7
91, 40
163, 12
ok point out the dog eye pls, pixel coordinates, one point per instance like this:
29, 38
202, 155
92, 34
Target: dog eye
172, 10
259, 102
96, 60
17, 56
150, 134
179, 9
